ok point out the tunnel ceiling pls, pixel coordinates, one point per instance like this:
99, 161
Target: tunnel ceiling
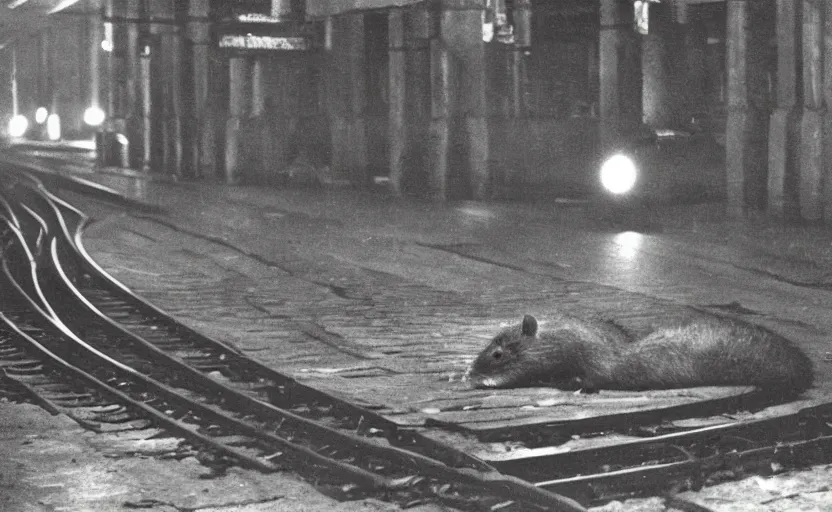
22, 17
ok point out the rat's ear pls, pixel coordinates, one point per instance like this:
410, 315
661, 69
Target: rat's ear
529, 327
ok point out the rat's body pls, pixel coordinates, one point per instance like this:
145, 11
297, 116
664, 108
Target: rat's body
702, 353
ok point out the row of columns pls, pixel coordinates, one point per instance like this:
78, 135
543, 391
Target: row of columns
438, 128
747, 45
776, 157
149, 98
780, 151
437, 91
436, 98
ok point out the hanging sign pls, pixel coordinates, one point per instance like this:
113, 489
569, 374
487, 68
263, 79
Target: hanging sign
264, 42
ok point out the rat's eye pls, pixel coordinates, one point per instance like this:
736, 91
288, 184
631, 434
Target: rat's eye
498, 354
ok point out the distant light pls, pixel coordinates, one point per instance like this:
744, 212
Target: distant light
94, 116
18, 125
107, 42
487, 32
619, 174
53, 127
40, 115
629, 243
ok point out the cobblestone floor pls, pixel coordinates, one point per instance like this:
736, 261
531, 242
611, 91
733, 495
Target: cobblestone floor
346, 287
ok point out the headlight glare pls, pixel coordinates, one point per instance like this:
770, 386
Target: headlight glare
18, 126
41, 114
94, 116
53, 127
619, 174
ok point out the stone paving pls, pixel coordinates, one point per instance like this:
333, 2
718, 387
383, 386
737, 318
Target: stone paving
343, 287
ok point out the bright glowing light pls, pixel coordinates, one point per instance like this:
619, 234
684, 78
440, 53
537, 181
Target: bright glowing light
18, 125
629, 242
94, 116
53, 127
40, 115
107, 45
619, 174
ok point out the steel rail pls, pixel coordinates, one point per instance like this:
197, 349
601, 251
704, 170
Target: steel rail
170, 424
8, 212
42, 351
694, 471
494, 484
806, 422
368, 420
31, 281
244, 402
628, 469
117, 335
58, 328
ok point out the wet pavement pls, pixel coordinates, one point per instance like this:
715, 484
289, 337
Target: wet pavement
385, 300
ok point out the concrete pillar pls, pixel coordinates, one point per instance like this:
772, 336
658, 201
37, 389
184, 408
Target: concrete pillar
146, 102
619, 57
409, 31
397, 69
784, 135
115, 57
747, 124
459, 124
810, 183
13, 81
271, 123
200, 159
167, 88
346, 87
674, 66
658, 51
522, 42
258, 86
419, 29
826, 169
46, 92
93, 60
693, 79
440, 118
197, 46
239, 105
460, 31
131, 57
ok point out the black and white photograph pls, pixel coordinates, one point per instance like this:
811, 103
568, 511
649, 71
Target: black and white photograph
415, 255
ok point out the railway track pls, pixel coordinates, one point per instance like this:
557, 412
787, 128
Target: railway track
76, 340
154, 368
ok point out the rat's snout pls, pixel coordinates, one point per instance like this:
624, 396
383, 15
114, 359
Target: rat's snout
477, 381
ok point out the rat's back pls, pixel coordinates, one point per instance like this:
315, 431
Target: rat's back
712, 353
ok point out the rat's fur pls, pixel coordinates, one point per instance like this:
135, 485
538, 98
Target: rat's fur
716, 352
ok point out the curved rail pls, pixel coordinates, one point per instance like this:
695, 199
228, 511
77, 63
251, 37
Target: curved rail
399, 474
145, 336
110, 297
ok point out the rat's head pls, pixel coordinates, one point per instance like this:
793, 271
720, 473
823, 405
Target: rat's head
507, 361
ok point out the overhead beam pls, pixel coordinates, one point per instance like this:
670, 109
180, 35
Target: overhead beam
63, 4
14, 4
